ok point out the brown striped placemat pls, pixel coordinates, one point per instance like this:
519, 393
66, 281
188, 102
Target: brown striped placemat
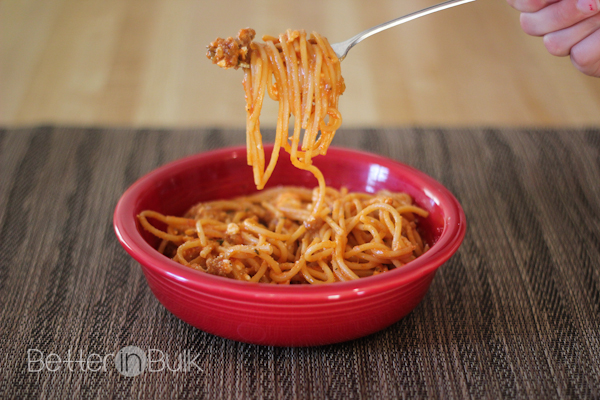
514, 314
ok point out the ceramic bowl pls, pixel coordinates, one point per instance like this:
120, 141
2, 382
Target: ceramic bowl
286, 315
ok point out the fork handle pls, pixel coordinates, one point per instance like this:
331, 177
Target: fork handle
348, 44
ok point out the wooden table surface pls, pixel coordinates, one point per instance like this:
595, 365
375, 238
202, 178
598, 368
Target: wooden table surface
141, 63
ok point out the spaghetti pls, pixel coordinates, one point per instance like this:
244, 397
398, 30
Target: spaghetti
303, 74
273, 236
290, 234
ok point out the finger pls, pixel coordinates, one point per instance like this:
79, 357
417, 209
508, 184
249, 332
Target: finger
558, 16
585, 55
530, 6
559, 43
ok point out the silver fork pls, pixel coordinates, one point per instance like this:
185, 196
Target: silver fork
341, 49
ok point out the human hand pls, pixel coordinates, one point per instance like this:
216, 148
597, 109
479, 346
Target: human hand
569, 27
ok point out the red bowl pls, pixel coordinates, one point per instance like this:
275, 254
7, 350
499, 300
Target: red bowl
286, 315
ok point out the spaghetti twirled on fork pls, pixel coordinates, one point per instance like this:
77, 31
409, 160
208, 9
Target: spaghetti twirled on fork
291, 234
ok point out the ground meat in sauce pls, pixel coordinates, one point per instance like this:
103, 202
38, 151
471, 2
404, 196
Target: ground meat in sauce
218, 266
313, 225
230, 52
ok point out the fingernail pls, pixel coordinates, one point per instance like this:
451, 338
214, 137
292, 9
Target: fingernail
588, 6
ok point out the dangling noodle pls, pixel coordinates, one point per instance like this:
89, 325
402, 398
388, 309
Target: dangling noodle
290, 234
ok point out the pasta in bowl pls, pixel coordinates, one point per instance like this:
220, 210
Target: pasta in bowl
286, 315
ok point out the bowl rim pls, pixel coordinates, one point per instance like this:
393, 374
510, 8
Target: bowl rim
125, 226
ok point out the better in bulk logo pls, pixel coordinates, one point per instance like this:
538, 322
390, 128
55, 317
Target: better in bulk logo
129, 361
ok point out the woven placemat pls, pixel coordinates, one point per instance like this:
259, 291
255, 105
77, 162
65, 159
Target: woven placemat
515, 313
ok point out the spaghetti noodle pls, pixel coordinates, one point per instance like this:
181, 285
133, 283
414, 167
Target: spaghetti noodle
291, 234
